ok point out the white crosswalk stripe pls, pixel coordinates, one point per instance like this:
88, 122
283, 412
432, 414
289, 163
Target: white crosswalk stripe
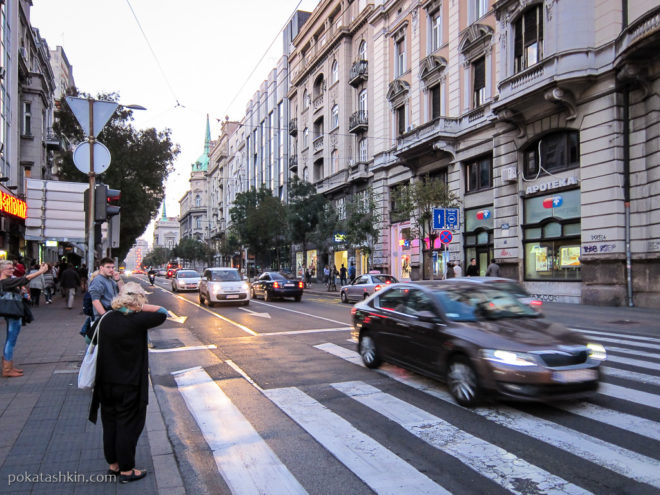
619, 335
637, 396
645, 345
634, 352
632, 375
485, 458
634, 362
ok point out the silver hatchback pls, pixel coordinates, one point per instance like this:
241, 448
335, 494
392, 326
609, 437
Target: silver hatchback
365, 285
185, 280
223, 285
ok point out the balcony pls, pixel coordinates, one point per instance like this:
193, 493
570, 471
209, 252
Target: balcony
358, 73
51, 140
293, 163
318, 102
293, 127
318, 143
358, 121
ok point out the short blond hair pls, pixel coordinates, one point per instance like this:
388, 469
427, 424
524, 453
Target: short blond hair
131, 294
5, 263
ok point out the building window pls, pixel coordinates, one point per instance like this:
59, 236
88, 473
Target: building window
528, 41
436, 30
363, 150
481, 7
558, 151
335, 72
397, 213
305, 101
400, 57
198, 200
306, 137
479, 174
362, 51
27, 119
435, 97
478, 82
198, 223
400, 120
479, 236
334, 161
335, 117
552, 236
362, 101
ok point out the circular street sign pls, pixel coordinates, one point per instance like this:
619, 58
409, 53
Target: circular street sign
445, 237
101, 157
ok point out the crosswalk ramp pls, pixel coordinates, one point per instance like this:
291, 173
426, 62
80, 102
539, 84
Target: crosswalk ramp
566, 448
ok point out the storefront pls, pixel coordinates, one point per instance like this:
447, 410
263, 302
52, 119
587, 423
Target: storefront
13, 212
479, 237
311, 259
361, 261
401, 249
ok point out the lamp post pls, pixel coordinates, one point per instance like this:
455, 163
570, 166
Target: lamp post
84, 111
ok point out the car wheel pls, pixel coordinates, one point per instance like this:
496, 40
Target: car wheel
344, 298
252, 294
201, 299
298, 298
369, 352
173, 288
463, 382
267, 296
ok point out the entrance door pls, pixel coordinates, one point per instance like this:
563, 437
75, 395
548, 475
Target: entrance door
482, 260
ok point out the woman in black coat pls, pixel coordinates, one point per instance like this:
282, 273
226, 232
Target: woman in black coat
122, 373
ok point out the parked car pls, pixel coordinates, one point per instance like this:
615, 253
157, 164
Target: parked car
185, 279
365, 285
223, 285
272, 285
507, 285
481, 341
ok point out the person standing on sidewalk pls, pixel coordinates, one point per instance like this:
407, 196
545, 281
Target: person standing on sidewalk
122, 374
8, 283
493, 269
473, 270
36, 285
104, 287
49, 285
70, 281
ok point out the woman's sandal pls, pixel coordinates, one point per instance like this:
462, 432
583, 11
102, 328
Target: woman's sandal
127, 478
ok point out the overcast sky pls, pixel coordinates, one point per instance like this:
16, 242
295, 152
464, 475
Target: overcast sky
204, 52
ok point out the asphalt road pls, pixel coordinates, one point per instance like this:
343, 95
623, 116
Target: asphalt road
272, 398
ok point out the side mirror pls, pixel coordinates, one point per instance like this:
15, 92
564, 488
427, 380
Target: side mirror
427, 316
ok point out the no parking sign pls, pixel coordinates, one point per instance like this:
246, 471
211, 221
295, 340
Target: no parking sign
445, 237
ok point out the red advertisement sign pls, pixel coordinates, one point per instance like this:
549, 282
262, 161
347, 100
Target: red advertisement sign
12, 205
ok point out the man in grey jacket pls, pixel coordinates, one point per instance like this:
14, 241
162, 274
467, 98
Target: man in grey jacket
493, 269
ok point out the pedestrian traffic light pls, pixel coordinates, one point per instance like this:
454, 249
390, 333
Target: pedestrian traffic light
100, 202
112, 202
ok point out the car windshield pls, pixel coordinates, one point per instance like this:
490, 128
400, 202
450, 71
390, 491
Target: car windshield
225, 276
483, 303
385, 279
187, 274
511, 287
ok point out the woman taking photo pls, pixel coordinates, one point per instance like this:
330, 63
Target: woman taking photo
9, 283
122, 377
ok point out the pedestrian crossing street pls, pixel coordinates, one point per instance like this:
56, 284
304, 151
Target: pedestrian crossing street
605, 445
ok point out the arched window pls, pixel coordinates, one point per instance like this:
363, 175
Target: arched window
558, 151
198, 223
362, 51
198, 200
362, 101
306, 137
335, 117
335, 72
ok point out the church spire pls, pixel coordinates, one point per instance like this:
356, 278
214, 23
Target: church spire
207, 141
164, 217
202, 163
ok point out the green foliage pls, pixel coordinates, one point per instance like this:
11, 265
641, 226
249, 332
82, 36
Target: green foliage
305, 212
229, 243
362, 221
156, 257
141, 162
192, 250
259, 221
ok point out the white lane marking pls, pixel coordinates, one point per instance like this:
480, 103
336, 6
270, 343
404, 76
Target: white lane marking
632, 375
244, 459
628, 422
634, 362
645, 345
300, 313
236, 368
254, 313
232, 322
316, 330
629, 394
375, 465
623, 350
618, 459
190, 348
619, 335
173, 317
488, 460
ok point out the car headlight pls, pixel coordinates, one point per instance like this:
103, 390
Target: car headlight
596, 351
509, 357
246, 287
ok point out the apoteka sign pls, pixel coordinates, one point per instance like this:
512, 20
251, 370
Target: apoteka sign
555, 184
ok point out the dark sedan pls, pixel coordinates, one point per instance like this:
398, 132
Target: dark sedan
277, 285
481, 341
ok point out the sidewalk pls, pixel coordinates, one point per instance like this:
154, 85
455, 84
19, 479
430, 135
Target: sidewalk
47, 445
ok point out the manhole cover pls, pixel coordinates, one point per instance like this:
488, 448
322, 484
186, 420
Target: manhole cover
624, 322
167, 344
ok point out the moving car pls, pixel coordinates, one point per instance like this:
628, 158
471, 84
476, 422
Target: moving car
272, 285
162, 272
507, 285
481, 341
365, 285
170, 272
223, 285
185, 279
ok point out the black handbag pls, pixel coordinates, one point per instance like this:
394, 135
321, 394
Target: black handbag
11, 305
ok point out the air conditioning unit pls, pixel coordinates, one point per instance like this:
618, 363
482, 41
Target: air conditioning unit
509, 174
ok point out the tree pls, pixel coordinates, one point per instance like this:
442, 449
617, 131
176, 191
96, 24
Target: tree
157, 257
192, 250
361, 226
259, 220
229, 244
416, 201
306, 210
141, 162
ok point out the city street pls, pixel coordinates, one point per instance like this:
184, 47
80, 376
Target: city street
273, 398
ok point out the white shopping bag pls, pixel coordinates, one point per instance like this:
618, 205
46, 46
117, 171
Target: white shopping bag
87, 373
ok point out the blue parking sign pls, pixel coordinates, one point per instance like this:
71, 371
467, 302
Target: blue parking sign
438, 218
452, 218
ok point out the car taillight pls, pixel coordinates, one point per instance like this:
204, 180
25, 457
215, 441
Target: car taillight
353, 311
276, 285
536, 303
378, 287
301, 285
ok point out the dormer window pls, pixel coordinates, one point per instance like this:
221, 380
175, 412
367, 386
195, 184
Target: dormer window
528, 40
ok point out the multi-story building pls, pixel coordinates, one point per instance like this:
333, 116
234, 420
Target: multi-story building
166, 231
62, 72
137, 252
193, 220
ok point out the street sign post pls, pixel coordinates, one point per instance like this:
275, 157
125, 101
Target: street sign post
446, 218
451, 218
438, 218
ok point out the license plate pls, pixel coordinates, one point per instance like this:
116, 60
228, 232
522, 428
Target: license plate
572, 376
232, 296
289, 285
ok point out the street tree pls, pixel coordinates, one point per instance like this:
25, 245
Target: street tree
305, 211
192, 250
229, 244
416, 201
141, 162
259, 220
158, 256
362, 223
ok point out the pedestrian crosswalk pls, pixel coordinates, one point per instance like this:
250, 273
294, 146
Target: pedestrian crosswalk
610, 444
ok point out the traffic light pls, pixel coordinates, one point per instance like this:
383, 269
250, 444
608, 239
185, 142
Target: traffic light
100, 202
112, 202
